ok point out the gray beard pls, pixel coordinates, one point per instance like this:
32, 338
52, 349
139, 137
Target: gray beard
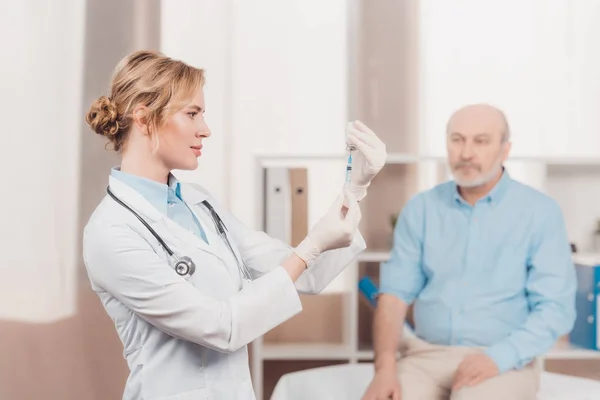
482, 180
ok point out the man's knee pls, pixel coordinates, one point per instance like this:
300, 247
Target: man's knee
415, 385
513, 385
478, 393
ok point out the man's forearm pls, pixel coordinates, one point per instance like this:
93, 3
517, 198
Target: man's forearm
539, 332
387, 330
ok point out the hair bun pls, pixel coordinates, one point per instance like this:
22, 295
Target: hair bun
102, 117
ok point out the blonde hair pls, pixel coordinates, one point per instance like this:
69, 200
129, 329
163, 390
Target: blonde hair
149, 78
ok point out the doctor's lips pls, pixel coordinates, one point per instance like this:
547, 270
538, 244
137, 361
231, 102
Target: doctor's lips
197, 150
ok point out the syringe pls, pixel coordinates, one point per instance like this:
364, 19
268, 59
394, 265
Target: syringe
350, 148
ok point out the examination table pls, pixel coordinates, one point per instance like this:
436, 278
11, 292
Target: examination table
349, 382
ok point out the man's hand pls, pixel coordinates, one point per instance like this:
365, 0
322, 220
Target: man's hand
474, 369
384, 386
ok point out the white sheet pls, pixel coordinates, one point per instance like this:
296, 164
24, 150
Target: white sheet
564, 387
349, 381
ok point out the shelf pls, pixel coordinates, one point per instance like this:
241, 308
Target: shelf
407, 158
305, 351
381, 256
373, 256
272, 160
363, 355
564, 351
369, 355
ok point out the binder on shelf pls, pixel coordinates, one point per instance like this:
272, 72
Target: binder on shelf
299, 205
286, 204
285, 217
586, 331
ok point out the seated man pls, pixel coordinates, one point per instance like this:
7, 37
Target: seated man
487, 262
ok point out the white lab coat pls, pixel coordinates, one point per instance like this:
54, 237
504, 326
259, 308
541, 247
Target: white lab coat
186, 339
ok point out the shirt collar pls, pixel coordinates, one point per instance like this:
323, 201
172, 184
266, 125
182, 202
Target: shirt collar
158, 194
494, 196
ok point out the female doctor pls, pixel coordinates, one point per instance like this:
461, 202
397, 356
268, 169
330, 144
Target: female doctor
187, 285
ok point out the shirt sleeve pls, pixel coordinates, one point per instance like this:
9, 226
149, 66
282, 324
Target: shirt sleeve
551, 286
120, 262
402, 275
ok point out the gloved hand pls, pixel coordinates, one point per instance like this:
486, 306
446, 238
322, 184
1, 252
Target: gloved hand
334, 230
368, 160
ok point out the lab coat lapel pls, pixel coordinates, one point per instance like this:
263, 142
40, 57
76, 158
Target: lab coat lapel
194, 196
158, 221
188, 237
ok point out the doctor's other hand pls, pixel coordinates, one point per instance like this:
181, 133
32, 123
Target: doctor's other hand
384, 386
336, 229
369, 158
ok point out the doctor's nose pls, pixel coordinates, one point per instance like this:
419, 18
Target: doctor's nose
203, 131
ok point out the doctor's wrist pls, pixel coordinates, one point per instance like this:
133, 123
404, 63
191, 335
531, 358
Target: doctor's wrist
307, 251
294, 266
359, 192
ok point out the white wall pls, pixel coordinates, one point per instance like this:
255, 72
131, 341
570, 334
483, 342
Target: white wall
276, 84
41, 80
278, 81
537, 60
289, 86
510, 53
199, 33
583, 138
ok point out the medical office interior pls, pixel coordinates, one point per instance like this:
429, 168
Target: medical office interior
283, 78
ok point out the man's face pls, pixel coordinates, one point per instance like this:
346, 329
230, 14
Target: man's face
476, 145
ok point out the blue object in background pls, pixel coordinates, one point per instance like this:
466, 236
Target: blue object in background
586, 332
369, 290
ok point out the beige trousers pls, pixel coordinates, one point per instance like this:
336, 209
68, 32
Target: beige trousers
426, 372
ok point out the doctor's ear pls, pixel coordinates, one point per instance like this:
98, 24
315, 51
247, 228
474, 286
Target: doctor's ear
140, 119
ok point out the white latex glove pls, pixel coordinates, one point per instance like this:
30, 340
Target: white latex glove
334, 230
368, 160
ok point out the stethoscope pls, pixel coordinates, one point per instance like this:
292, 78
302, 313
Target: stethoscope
184, 266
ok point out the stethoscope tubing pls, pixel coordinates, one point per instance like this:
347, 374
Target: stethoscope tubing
219, 224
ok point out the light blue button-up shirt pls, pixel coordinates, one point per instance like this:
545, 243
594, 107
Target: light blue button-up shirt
165, 198
498, 274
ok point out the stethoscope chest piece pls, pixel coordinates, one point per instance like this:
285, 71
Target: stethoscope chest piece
185, 266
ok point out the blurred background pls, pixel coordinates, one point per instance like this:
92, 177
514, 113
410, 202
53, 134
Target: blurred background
283, 79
